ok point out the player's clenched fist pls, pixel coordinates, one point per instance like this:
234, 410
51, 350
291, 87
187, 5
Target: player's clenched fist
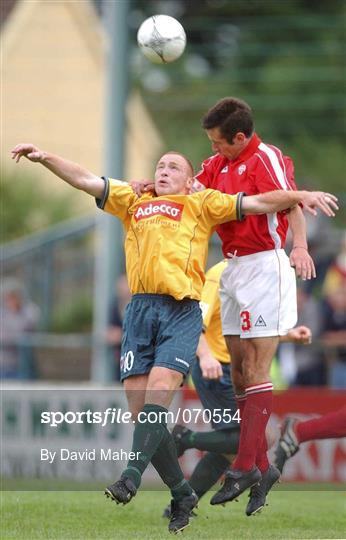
27, 150
300, 335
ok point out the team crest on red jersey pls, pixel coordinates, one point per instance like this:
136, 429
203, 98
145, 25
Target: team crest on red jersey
168, 209
241, 169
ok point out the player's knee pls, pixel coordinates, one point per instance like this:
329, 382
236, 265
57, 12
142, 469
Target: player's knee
254, 374
160, 385
238, 382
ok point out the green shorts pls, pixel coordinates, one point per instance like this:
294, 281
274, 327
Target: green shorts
159, 331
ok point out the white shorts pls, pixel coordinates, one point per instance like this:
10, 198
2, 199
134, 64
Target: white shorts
258, 295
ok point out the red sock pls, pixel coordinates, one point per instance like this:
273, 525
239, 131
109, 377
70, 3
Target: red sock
241, 400
329, 426
256, 414
262, 461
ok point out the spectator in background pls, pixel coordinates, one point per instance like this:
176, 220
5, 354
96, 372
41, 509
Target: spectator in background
335, 277
310, 368
18, 316
116, 317
323, 244
333, 331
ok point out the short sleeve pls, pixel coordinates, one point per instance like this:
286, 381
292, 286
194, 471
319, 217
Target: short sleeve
117, 197
289, 167
273, 170
220, 207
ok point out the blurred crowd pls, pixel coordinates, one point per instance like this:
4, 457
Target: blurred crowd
321, 307
18, 316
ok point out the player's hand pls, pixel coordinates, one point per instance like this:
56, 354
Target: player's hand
303, 264
300, 335
326, 202
197, 186
142, 186
27, 150
210, 367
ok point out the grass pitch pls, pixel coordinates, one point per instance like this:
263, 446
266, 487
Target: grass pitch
89, 515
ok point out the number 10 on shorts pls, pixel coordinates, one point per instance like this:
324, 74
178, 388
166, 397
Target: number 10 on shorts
245, 320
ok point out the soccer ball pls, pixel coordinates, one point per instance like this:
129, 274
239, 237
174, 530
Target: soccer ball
161, 38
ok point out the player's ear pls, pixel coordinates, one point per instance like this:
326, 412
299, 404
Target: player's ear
239, 138
189, 183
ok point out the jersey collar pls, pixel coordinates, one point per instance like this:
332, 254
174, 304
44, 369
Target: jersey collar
249, 150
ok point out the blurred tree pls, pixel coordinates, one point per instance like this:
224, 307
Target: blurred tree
285, 58
24, 210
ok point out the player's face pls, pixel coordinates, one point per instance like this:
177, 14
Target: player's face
221, 146
172, 175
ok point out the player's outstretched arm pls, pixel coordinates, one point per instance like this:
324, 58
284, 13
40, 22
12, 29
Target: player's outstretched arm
70, 172
275, 201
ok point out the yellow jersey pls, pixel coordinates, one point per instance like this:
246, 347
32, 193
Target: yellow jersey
211, 312
166, 241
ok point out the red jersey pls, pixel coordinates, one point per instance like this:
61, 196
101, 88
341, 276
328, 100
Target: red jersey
258, 168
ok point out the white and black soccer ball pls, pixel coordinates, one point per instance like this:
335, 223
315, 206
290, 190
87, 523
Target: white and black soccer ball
161, 38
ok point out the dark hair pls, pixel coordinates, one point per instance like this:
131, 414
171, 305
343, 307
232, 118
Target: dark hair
183, 156
230, 115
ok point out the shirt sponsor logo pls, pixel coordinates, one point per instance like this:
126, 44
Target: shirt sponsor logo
241, 169
168, 209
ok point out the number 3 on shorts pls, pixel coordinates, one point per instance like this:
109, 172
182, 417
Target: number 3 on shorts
245, 319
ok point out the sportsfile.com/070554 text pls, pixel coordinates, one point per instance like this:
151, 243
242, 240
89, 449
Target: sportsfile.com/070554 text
118, 416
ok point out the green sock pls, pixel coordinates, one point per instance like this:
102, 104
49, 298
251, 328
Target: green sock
167, 465
146, 439
207, 471
223, 441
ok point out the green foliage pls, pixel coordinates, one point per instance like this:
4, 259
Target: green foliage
26, 208
321, 167
287, 59
76, 316
318, 167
